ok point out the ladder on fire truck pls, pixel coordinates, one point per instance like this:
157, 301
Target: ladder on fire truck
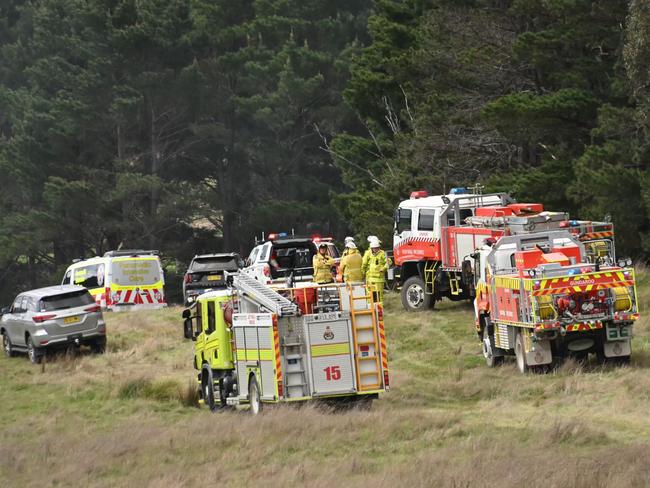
265, 296
364, 334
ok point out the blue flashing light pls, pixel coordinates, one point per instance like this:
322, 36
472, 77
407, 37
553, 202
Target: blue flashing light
573, 271
574, 223
458, 191
283, 234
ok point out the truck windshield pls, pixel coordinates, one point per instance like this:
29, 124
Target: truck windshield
136, 272
402, 220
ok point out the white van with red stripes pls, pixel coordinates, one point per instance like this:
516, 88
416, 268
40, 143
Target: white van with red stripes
121, 280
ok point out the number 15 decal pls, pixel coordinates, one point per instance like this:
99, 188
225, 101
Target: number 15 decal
332, 373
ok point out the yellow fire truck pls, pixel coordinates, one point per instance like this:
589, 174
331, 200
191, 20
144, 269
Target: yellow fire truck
256, 344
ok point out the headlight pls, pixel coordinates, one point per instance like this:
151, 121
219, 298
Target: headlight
628, 262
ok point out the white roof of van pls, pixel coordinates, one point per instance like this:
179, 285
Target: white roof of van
435, 201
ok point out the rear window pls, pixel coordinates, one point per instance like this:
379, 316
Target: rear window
91, 276
66, 300
212, 264
296, 256
136, 272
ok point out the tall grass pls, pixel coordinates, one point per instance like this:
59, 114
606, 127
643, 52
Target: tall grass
122, 418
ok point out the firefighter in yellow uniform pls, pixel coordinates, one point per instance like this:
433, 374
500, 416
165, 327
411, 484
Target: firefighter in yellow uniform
374, 267
351, 263
322, 263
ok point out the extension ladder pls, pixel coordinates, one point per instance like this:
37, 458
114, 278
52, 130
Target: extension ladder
364, 334
263, 295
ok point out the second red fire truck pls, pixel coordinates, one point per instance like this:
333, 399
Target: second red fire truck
435, 237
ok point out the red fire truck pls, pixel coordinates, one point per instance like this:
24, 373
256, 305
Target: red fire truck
435, 237
539, 298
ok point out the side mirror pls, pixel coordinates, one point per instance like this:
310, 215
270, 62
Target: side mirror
187, 329
5, 310
186, 313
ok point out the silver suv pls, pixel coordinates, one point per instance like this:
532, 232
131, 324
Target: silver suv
52, 317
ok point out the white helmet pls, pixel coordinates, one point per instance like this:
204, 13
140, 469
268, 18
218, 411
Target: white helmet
374, 242
371, 238
350, 245
349, 239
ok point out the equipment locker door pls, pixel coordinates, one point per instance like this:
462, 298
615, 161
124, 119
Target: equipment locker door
330, 353
253, 336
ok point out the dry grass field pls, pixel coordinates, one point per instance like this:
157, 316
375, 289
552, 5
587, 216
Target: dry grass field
127, 418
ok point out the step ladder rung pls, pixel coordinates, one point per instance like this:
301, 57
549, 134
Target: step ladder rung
365, 311
369, 373
293, 356
296, 371
361, 297
292, 344
374, 386
367, 358
365, 327
296, 385
371, 343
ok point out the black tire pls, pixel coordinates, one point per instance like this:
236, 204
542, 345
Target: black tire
414, 298
207, 388
35, 354
520, 353
99, 346
7, 346
489, 349
254, 396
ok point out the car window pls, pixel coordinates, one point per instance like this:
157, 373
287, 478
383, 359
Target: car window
253, 255
66, 278
332, 250
32, 304
15, 307
227, 263
264, 255
23, 304
66, 300
90, 276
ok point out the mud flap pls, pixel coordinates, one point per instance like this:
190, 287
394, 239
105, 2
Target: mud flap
537, 353
617, 348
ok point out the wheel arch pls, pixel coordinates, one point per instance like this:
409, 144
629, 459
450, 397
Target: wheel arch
412, 268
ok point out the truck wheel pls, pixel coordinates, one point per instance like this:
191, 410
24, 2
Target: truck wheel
254, 396
33, 353
488, 349
414, 299
7, 345
207, 388
520, 353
